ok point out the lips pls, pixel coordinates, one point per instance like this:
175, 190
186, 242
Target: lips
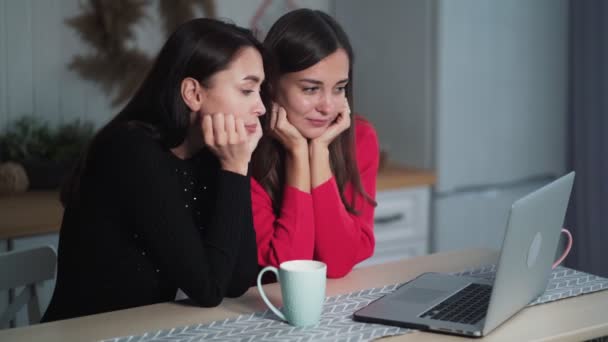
251, 128
318, 122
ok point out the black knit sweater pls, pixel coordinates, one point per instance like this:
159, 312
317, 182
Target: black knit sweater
148, 223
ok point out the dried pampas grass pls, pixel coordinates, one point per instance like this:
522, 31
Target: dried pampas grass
108, 25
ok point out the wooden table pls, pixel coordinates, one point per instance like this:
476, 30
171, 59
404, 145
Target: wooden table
573, 319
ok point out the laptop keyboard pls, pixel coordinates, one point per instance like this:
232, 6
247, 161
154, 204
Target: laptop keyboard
467, 306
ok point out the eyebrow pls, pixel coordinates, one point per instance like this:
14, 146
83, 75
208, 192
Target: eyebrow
309, 80
253, 78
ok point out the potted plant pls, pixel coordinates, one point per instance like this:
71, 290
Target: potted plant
46, 152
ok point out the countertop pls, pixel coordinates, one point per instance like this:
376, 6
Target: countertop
40, 212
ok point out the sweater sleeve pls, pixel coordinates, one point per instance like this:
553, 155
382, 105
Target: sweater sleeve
289, 236
246, 269
343, 239
140, 170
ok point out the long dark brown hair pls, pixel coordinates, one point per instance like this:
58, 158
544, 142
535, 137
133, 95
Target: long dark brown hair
199, 49
297, 41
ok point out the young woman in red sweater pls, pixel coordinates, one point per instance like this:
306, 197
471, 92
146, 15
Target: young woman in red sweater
314, 171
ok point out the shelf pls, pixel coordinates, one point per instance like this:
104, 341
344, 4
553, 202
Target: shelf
30, 213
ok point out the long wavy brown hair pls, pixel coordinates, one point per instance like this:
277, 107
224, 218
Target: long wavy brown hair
297, 41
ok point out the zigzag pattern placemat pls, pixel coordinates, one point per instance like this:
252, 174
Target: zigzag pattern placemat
336, 323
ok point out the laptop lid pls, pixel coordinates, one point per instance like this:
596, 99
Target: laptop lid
528, 250
529, 246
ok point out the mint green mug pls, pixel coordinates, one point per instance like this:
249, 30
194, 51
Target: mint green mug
303, 289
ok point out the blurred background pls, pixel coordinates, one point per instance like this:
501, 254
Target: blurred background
494, 98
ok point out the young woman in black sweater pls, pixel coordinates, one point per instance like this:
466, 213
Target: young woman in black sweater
161, 199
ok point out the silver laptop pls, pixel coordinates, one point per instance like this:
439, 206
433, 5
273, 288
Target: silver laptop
474, 307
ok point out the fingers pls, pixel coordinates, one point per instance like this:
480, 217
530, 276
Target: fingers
346, 109
281, 119
343, 121
278, 118
347, 118
208, 130
273, 116
219, 129
254, 138
224, 129
340, 124
258, 133
241, 132
344, 117
230, 128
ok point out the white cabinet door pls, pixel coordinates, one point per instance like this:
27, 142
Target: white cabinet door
400, 224
396, 250
403, 210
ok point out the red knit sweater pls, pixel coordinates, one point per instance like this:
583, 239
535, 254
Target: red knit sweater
317, 225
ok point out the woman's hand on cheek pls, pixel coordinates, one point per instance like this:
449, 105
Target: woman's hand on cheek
286, 133
336, 128
227, 138
254, 138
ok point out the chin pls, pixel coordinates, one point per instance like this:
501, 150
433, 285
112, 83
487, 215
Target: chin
313, 133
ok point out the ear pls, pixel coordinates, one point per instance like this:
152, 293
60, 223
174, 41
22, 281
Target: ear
192, 93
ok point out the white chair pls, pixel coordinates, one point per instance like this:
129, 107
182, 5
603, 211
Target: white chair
25, 268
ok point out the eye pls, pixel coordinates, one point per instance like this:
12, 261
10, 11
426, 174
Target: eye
247, 92
310, 90
340, 90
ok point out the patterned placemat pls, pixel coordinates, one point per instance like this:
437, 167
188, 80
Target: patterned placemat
336, 323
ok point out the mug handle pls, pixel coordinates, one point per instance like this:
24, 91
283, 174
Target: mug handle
261, 290
567, 250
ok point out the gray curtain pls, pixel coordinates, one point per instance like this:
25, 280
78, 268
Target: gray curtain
588, 127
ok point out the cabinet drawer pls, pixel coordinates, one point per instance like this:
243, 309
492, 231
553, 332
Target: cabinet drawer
396, 250
402, 213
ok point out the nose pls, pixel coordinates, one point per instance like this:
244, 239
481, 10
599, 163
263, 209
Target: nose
326, 104
259, 108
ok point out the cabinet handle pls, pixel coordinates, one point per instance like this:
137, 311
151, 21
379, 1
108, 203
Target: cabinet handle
388, 219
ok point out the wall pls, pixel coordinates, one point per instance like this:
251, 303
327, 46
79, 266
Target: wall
36, 46
393, 72
501, 91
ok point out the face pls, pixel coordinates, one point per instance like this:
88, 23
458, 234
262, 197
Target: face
236, 90
313, 97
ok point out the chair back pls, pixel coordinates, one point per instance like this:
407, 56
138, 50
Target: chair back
24, 269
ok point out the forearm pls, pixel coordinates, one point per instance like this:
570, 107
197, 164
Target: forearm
297, 169
320, 170
246, 267
288, 235
240, 167
334, 223
228, 229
